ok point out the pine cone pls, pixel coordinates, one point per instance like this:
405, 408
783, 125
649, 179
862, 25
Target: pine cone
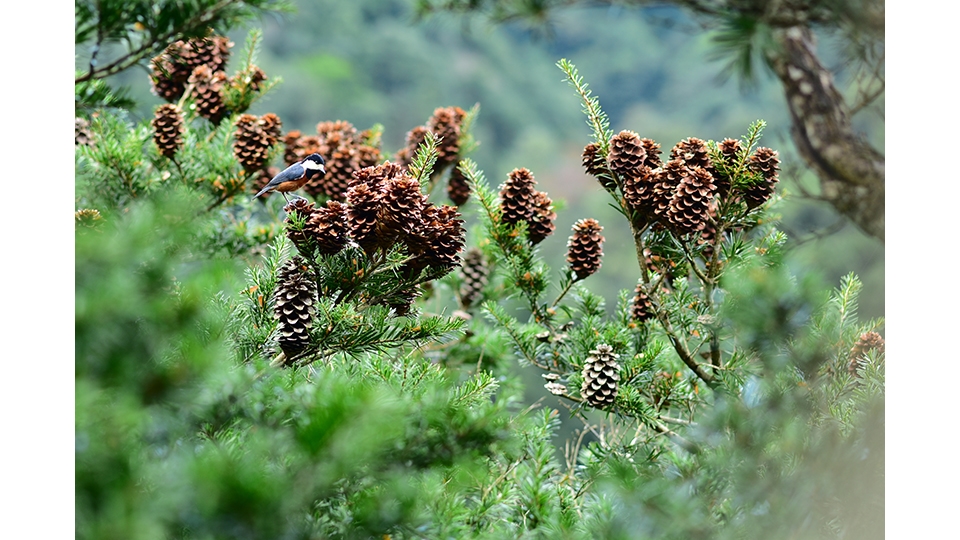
294, 307
642, 309
329, 228
666, 179
168, 129
172, 68
83, 135
638, 192
766, 163
363, 207
207, 91
457, 188
729, 148
254, 138
594, 165
627, 155
585, 248
345, 153
213, 51
690, 207
601, 377
693, 152
300, 211
869, 341
445, 124
400, 209
541, 224
438, 240
414, 139
167, 78
292, 149
652, 149
377, 176
517, 197
474, 274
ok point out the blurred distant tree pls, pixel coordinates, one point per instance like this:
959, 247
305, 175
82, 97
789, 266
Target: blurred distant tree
781, 35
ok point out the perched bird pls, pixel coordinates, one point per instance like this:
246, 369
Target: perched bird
295, 176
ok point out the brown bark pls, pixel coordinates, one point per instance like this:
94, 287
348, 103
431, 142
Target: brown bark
850, 170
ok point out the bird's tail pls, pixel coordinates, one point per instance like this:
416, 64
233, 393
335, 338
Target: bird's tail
262, 191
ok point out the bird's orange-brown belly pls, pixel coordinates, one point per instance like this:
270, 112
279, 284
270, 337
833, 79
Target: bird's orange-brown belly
292, 185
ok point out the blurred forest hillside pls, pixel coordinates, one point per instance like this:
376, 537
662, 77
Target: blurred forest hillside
374, 62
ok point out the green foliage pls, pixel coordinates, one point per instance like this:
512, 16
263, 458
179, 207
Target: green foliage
736, 413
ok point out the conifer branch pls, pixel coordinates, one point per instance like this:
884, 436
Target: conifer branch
596, 118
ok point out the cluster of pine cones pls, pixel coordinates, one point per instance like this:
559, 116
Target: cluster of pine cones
682, 194
199, 64
520, 201
383, 206
446, 124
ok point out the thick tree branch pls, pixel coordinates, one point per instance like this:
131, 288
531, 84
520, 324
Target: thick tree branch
851, 171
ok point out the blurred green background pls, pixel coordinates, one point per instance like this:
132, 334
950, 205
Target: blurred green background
372, 61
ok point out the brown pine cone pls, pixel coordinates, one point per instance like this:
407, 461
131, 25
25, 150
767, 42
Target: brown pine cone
457, 188
869, 341
340, 144
652, 150
299, 211
254, 138
601, 377
766, 163
666, 179
363, 207
294, 305
171, 69
517, 197
642, 309
445, 124
594, 164
168, 129
585, 248
414, 139
729, 150
439, 239
292, 147
378, 175
690, 206
693, 152
541, 224
400, 209
207, 91
328, 226
627, 155
474, 274
638, 192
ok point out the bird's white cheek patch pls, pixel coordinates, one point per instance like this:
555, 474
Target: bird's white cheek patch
312, 166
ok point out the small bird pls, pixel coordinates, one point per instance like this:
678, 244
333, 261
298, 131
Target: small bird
295, 176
